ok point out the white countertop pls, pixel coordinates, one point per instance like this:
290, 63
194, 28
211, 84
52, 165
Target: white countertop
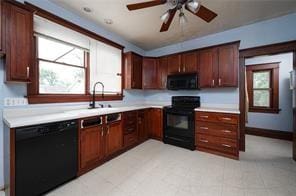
218, 109
31, 118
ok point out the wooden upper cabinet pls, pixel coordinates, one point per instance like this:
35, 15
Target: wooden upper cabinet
228, 65
150, 69
162, 72
207, 68
114, 137
132, 71
19, 42
189, 62
174, 63
91, 146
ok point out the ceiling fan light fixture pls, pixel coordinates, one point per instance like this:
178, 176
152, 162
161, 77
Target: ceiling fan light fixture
165, 17
193, 5
182, 18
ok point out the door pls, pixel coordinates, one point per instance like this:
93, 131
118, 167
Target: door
114, 137
19, 43
136, 71
1, 23
156, 128
162, 72
189, 62
228, 66
91, 145
150, 73
174, 64
207, 68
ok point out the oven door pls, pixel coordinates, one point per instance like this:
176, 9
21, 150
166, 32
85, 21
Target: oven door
179, 123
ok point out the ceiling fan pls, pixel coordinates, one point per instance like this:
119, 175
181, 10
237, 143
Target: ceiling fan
193, 6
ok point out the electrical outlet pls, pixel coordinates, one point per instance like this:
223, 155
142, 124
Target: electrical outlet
13, 101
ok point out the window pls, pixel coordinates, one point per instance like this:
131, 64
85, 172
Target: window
62, 67
263, 87
105, 67
69, 62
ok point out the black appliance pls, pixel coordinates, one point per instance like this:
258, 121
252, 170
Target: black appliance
179, 121
182, 82
45, 157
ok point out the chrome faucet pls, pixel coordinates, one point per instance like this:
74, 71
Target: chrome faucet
93, 104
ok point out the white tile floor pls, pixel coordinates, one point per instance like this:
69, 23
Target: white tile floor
153, 168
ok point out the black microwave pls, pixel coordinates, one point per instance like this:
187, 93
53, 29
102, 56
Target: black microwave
182, 82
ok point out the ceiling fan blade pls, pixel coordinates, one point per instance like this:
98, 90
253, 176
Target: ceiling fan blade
204, 13
165, 26
145, 4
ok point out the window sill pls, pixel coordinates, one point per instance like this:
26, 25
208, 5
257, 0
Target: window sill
61, 98
264, 110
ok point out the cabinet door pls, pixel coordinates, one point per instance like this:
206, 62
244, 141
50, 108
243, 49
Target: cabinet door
114, 138
189, 62
150, 73
174, 64
207, 68
162, 72
156, 129
228, 66
137, 72
91, 146
142, 125
19, 42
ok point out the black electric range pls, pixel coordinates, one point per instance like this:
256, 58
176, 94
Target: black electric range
179, 121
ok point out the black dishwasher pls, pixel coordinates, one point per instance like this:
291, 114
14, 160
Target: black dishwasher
45, 157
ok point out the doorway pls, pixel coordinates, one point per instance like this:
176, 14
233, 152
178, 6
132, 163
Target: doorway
258, 56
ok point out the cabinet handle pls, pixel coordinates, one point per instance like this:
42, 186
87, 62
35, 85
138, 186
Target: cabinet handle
81, 124
226, 131
219, 81
28, 72
205, 128
213, 82
226, 118
226, 145
108, 130
184, 68
179, 68
205, 141
102, 132
204, 116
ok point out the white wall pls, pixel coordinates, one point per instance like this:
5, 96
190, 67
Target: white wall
284, 120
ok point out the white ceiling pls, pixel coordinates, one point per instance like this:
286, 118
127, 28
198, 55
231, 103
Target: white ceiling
141, 27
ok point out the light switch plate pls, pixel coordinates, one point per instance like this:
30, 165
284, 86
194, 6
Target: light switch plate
13, 101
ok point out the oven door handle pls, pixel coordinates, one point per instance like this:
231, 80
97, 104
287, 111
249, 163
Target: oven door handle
180, 113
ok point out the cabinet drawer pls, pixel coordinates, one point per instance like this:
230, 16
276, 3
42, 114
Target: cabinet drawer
217, 117
217, 129
130, 129
130, 139
217, 143
130, 118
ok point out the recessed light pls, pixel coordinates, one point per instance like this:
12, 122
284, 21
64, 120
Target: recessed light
87, 9
108, 21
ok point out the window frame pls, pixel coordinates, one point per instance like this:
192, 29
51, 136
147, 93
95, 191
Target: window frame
273, 68
34, 97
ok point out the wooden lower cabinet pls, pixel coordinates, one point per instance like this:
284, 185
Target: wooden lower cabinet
91, 146
156, 123
217, 133
97, 141
113, 138
130, 128
142, 125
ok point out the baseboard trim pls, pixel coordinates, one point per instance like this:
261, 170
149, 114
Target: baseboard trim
275, 134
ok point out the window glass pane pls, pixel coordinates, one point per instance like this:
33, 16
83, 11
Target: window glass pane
59, 52
105, 66
261, 98
60, 79
261, 79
